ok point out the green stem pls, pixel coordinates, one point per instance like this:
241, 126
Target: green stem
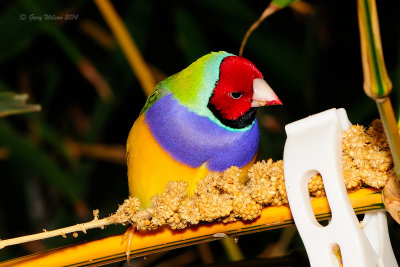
377, 84
392, 131
373, 39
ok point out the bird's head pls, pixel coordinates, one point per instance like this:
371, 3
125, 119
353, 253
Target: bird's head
239, 90
225, 88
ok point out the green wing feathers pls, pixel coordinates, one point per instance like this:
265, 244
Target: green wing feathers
157, 93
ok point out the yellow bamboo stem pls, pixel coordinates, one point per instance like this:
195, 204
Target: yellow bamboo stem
392, 131
127, 44
112, 249
377, 83
232, 249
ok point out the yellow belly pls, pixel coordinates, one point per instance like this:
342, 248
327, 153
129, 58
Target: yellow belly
150, 168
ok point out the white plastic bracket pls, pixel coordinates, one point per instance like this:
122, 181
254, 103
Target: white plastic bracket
314, 145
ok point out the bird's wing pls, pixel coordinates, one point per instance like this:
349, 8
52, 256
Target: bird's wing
157, 94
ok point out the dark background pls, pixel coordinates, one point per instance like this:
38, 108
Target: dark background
311, 59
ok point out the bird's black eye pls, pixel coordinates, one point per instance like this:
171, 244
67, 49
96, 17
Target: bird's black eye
235, 95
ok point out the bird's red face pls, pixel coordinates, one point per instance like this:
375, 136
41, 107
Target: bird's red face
239, 90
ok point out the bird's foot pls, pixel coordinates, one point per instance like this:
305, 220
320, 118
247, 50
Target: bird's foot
128, 236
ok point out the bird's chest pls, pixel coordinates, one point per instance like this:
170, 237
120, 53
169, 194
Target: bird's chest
193, 140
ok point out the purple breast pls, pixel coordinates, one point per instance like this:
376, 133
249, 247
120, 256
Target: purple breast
192, 139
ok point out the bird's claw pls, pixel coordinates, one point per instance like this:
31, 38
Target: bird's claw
128, 235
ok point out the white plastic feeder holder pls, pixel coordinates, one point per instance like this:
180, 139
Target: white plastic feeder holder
314, 145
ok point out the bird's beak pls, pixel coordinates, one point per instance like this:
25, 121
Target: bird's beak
263, 95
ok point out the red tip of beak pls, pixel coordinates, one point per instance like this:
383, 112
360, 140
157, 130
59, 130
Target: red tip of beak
276, 101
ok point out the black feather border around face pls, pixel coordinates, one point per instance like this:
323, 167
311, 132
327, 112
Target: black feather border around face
241, 122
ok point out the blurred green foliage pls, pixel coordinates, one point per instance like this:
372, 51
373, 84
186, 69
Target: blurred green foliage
311, 60
12, 103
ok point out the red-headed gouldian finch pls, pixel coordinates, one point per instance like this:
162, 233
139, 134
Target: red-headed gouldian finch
198, 120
